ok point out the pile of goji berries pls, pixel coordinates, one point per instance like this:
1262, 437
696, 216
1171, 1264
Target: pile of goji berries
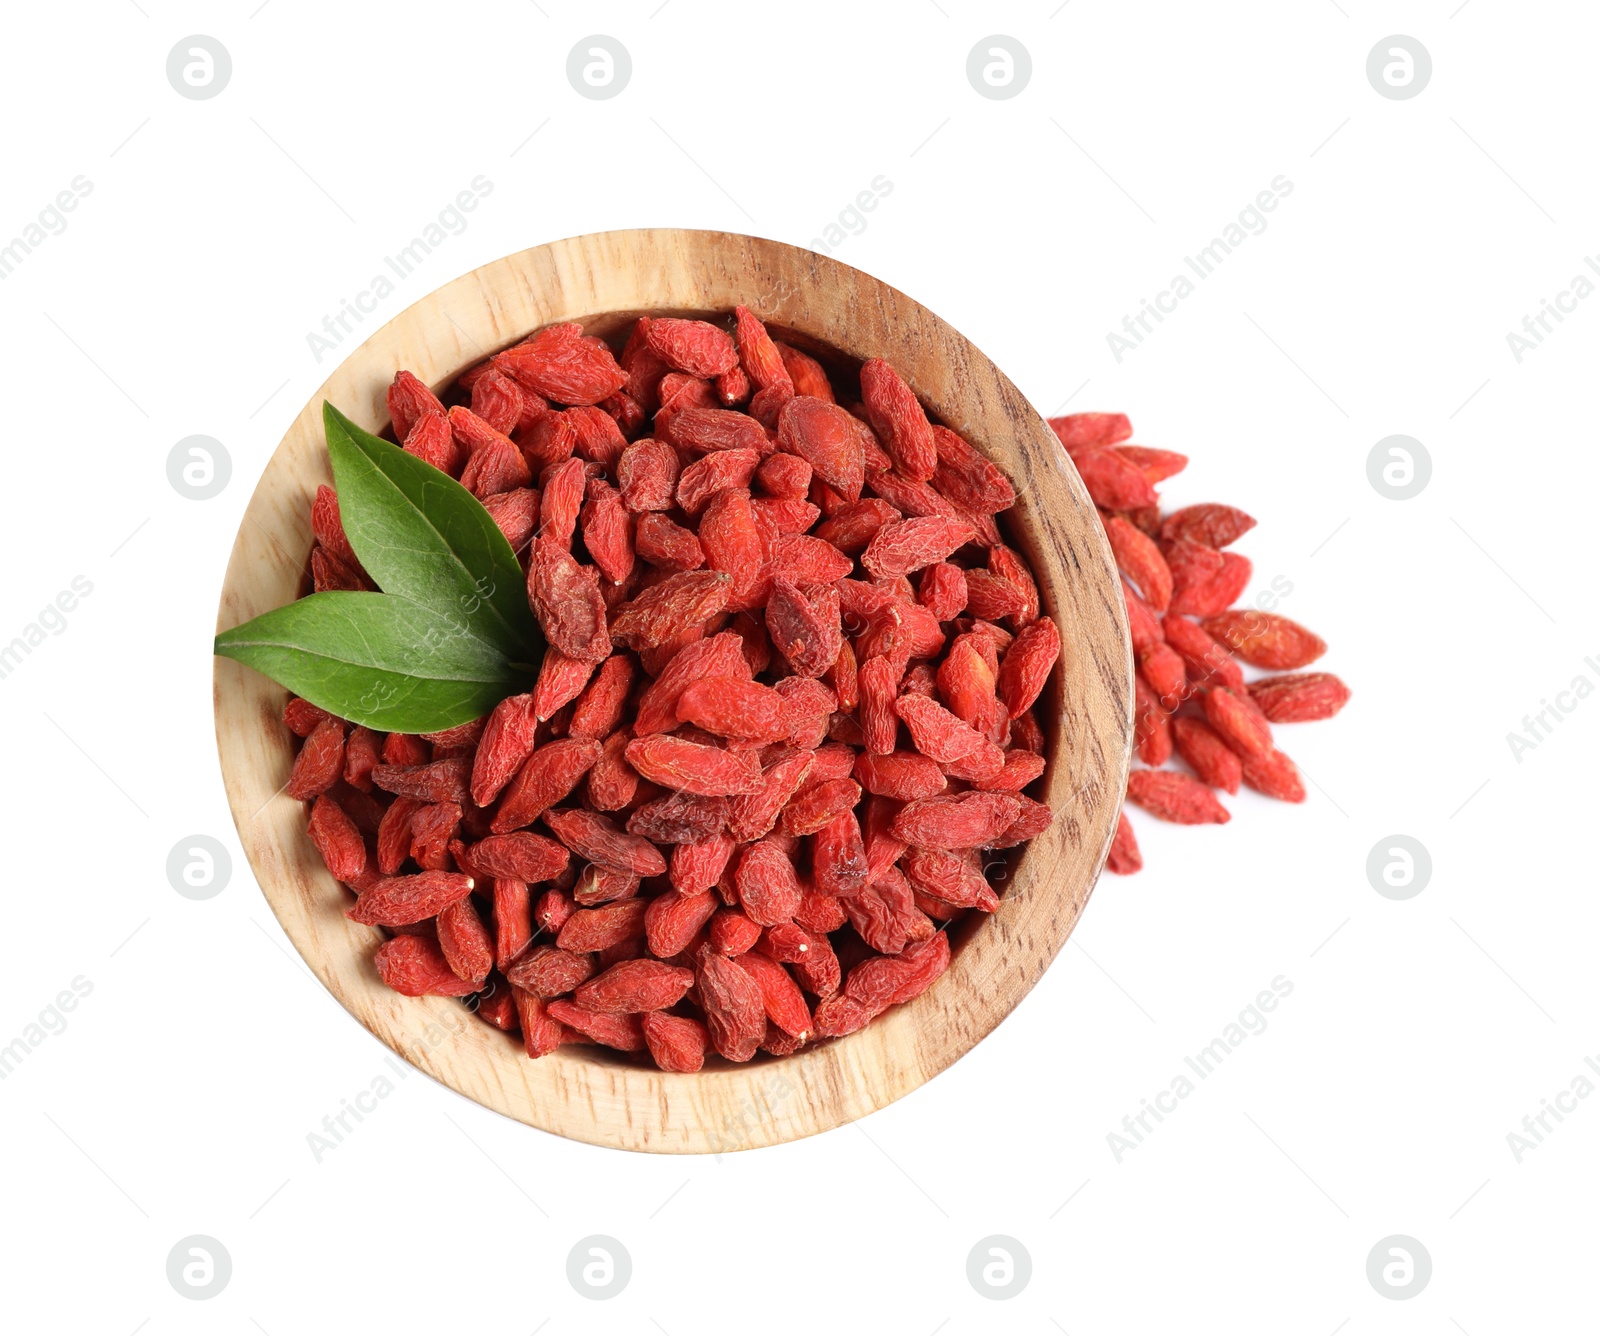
1190, 696
786, 708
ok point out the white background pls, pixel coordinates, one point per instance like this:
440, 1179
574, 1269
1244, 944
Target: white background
1419, 1033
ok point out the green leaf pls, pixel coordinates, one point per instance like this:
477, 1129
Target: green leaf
378, 660
423, 537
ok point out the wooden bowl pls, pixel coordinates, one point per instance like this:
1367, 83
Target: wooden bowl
589, 1093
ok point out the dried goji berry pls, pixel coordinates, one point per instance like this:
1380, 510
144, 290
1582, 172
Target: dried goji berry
597, 839
1142, 562
635, 985
1175, 797
677, 1043
1241, 725
961, 822
559, 364
665, 610
936, 732
415, 966
513, 919
733, 707
1265, 639
766, 884
1077, 430
1275, 775
1202, 747
1027, 665
839, 856
320, 762
677, 763
672, 919
623, 1032
1207, 662
1124, 857
1295, 697
693, 346
780, 995
1213, 525
507, 742
465, 941
395, 901
596, 929
899, 419
1152, 727
825, 436
735, 1009
337, 840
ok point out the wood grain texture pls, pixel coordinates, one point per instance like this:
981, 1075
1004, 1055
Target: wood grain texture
588, 1093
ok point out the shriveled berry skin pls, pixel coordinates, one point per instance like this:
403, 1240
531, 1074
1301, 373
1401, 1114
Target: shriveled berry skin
415, 966
1273, 774
676, 1043
1207, 754
1175, 797
733, 707
736, 1013
693, 767
1293, 698
1124, 858
1265, 638
635, 985
397, 901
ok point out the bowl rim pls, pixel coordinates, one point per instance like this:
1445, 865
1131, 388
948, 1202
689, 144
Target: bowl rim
588, 1094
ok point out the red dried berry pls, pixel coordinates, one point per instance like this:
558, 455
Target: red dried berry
396, 901
1265, 638
1078, 430
1124, 857
1273, 774
415, 967
693, 346
1203, 748
1297, 697
635, 985
1213, 525
735, 1009
1242, 726
1175, 797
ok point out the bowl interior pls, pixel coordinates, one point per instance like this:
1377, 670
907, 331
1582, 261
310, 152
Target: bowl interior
842, 317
